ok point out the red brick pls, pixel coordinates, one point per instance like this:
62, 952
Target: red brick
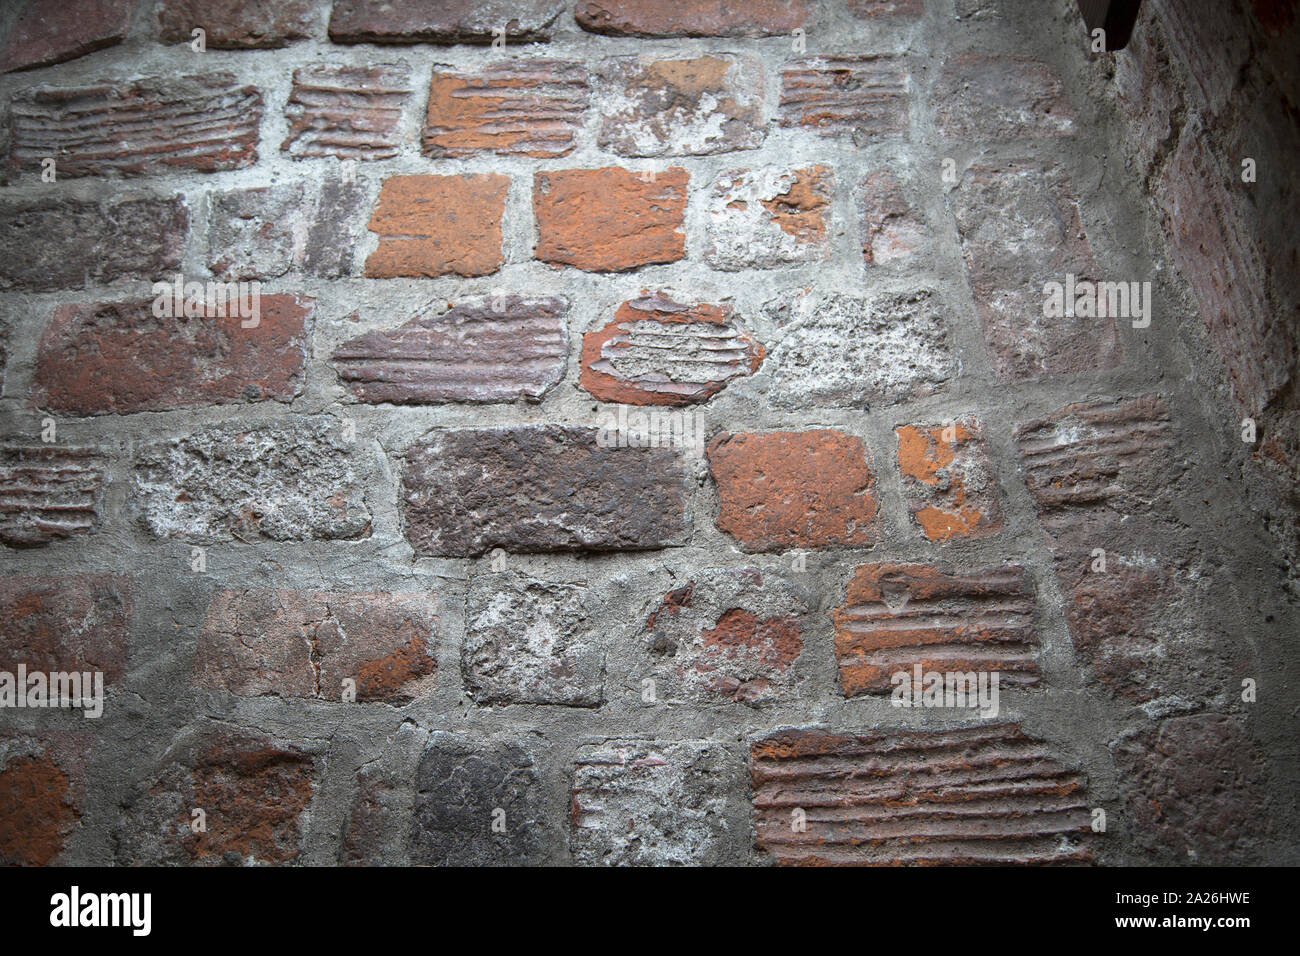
492, 349
660, 352
693, 18
47, 493
237, 24
862, 97
42, 790
66, 623
769, 217
611, 219
896, 616
981, 795
447, 21
284, 643
948, 480
529, 107
438, 225
997, 98
781, 490
349, 112
893, 229
116, 358
47, 33
153, 126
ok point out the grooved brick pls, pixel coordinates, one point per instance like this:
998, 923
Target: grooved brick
659, 352
769, 217
693, 18
349, 112
988, 795
948, 480
151, 127
863, 97
487, 349
116, 357
66, 623
444, 21
997, 98
531, 107
237, 24
48, 493
438, 225
46, 33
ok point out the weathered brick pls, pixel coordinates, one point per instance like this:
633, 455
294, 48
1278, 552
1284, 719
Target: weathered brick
252, 791
782, 490
645, 803
46, 33
768, 217
693, 18
42, 790
264, 232
375, 832
116, 357
847, 351
448, 21
896, 616
876, 9
487, 349
151, 127
529, 641
47, 493
996, 98
611, 219
726, 634
294, 480
688, 107
65, 244
948, 480
893, 230
659, 352
527, 107
1019, 226
237, 24
864, 98
539, 488
477, 804
284, 643
349, 112
981, 795
66, 623
438, 225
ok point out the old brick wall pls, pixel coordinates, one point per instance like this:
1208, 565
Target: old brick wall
366, 578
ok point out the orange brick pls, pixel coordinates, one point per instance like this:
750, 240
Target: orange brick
438, 225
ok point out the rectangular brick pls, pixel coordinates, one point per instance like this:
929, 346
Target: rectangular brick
769, 217
487, 349
948, 480
693, 18
529, 107
48, 493
45, 34
981, 795
348, 112
863, 97
896, 616
116, 357
539, 488
438, 225
151, 127
981, 98
237, 24
893, 229
447, 21
267, 231
66, 623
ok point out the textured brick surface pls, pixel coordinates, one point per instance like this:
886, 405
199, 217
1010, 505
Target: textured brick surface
451, 21
67, 623
768, 217
893, 230
237, 24
984, 795
995, 98
887, 9
265, 232
376, 827
948, 480
42, 789
351, 112
611, 219
692, 18
438, 225
659, 352
52, 33
49, 493
863, 98
494, 349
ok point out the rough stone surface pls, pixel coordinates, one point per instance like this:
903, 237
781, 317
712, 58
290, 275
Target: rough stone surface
863, 98
49, 493
659, 352
438, 225
449, 21
693, 18
888, 9
375, 833
948, 480
893, 230
349, 112
265, 232
42, 788
998, 98
66, 623
237, 24
45, 33
768, 217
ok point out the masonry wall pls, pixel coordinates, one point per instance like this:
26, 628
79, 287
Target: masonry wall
382, 574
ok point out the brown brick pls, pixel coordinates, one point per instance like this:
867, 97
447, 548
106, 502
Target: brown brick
863, 97
896, 616
693, 18
154, 126
116, 357
527, 107
46, 33
65, 244
1019, 227
47, 493
689, 107
660, 352
982, 98
611, 219
375, 831
981, 795
782, 490
350, 112
438, 225
539, 488
877, 9
769, 217
283, 643
447, 21
42, 789
948, 480
490, 349
893, 229
237, 24
66, 623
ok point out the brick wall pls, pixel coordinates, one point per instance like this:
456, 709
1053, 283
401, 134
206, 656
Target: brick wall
383, 573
